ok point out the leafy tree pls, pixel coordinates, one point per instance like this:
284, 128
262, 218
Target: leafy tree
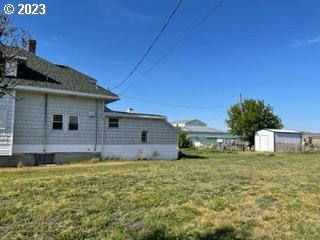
12, 40
253, 115
184, 141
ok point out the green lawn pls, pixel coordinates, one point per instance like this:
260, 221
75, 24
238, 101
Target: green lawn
208, 196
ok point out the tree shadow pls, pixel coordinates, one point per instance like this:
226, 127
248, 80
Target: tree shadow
223, 233
157, 234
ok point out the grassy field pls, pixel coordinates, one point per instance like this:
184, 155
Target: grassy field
208, 196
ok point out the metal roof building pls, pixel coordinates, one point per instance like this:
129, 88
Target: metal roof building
201, 134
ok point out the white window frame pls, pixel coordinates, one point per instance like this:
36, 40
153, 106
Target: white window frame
147, 136
63, 121
73, 115
113, 118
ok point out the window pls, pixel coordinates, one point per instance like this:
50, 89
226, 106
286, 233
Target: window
113, 122
144, 137
57, 122
73, 122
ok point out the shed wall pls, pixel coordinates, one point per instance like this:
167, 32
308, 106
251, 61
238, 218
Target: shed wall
288, 142
264, 141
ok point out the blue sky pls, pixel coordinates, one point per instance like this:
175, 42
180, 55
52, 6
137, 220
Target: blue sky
264, 49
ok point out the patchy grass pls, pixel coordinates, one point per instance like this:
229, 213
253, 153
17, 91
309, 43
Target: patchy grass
209, 195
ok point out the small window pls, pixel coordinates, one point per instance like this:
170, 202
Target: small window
144, 137
113, 122
57, 122
73, 122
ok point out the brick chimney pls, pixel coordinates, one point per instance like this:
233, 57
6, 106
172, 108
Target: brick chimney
32, 46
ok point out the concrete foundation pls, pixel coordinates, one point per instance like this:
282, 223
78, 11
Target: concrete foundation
27, 159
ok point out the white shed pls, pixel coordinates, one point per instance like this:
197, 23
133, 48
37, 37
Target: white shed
277, 140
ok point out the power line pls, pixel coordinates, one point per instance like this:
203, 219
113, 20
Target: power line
151, 46
177, 44
173, 105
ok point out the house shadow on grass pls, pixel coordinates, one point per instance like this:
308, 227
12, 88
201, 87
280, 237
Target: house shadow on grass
223, 233
183, 155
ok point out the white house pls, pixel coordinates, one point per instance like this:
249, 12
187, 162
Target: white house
277, 140
56, 114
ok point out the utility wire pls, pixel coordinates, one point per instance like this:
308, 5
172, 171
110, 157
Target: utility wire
151, 46
176, 45
173, 105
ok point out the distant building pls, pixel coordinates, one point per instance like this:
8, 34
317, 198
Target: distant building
202, 135
311, 140
277, 140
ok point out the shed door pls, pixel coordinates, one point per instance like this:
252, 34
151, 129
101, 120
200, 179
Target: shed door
264, 143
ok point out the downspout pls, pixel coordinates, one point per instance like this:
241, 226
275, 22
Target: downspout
102, 135
96, 139
45, 122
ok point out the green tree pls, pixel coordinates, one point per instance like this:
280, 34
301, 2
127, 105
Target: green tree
184, 141
253, 115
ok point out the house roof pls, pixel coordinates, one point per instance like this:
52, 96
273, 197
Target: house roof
185, 122
182, 121
37, 73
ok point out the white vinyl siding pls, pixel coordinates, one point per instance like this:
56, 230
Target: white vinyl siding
30, 119
7, 103
3, 118
159, 132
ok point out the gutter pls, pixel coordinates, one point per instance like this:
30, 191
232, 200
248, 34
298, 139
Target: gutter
66, 92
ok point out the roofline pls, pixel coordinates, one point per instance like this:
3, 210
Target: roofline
66, 92
279, 130
133, 115
140, 116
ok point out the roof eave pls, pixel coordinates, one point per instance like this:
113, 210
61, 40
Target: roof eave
67, 92
133, 115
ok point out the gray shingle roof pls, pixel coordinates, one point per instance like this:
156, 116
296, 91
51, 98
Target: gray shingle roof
40, 73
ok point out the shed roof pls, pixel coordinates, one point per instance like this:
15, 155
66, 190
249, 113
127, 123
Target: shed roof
281, 130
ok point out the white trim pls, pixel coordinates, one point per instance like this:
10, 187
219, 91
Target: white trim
13, 117
65, 92
29, 148
119, 121
63, 122
140, 151
73, 115
147, 136
132, 115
